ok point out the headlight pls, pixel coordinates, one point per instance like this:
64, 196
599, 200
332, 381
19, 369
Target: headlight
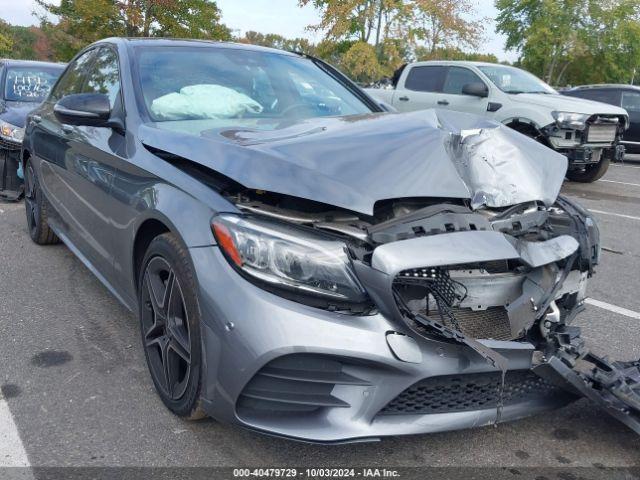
576, 121
290, 259
11, 132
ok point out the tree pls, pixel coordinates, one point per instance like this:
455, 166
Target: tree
361, 63
5, 39
361, 20
573, 41
274, 40
84, 21
424, 53
445, 23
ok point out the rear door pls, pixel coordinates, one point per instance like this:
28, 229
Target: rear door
631, 103
456, 79
422, 88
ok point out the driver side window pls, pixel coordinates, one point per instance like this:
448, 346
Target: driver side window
104, 75
73, 79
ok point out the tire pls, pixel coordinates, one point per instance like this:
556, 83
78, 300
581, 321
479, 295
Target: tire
37, 209
591, 173
170, 325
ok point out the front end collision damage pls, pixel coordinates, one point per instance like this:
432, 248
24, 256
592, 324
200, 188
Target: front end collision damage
485, 255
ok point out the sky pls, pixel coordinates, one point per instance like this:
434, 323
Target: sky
271, 16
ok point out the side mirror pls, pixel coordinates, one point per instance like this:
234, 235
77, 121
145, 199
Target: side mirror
477, 89
90, 109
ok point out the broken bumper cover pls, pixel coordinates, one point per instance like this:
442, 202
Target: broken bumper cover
283, 368
11, 183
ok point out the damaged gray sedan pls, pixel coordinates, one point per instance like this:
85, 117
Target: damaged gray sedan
304, 263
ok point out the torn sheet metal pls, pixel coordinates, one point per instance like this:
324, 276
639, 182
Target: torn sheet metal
501, 166
353, 162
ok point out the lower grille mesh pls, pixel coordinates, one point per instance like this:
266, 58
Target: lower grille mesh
442, 297
492, 323
461, 393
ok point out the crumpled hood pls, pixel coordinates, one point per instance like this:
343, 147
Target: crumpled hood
563, 103
16, 113
353, 162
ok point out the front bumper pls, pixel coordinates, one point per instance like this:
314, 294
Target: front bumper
369, 394
11, 184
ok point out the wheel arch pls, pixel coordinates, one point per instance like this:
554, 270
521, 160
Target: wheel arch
148, 230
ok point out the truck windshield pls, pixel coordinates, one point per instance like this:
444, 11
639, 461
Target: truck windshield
193, 89
514, 80
30, 84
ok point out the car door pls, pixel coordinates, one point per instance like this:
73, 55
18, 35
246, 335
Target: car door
81, 164
50, 145
631, 103
452, 96
422, 88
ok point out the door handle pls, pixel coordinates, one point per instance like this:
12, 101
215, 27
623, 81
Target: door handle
404, 99
36, 119
67, 128
443, 102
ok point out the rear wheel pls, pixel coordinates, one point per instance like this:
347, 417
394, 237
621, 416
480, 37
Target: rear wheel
591, 173
37, 209
170, 326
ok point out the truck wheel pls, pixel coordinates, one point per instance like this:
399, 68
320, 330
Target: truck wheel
591, 173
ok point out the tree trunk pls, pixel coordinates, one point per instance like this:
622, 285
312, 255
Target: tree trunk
379, 26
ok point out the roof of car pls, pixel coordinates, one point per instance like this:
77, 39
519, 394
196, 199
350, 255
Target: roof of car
459, 62
29, 63
181, 42
606, 86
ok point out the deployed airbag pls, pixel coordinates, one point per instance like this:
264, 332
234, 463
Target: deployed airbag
203, 101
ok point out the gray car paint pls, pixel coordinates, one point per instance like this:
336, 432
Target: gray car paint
353, 164
378, 156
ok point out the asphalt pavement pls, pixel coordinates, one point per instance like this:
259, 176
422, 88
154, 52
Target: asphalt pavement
77, 390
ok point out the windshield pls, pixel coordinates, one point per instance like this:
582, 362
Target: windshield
30, 84
514, 80
193, 89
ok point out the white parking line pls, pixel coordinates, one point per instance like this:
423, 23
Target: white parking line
624, 166
621, 215
613, 308
621, 183
12, 452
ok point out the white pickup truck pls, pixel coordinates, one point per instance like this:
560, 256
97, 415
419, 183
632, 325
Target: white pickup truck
586, 132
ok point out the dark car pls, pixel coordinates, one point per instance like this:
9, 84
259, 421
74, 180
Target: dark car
621, 95
303, 263
24, 84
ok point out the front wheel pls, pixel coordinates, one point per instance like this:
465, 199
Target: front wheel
170, 325
591, 173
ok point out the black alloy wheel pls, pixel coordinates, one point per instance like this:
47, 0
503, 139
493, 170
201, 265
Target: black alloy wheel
169, 322
166, 328
36, 208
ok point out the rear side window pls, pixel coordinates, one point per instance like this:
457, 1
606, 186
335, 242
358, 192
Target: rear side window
426, 79
458, 77
631, 101
597, 95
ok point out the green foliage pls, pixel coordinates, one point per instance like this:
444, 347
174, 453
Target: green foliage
573, 41
6, 42
361, 63
451, 53
80, 22
273, 40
